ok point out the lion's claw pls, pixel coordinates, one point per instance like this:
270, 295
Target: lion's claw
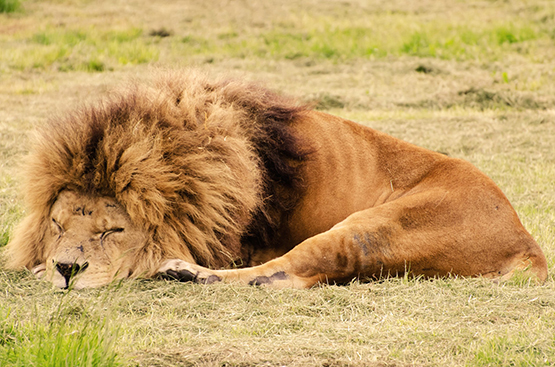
181, 276
186, 272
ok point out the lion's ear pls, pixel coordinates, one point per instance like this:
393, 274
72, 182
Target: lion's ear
27, 248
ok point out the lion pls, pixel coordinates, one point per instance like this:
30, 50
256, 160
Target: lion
221, 180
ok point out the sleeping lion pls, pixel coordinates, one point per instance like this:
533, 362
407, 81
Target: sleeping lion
205, 180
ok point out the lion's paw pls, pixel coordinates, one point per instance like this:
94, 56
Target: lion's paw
39, 271
183, 271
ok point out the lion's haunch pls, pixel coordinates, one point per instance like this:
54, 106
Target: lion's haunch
184, 176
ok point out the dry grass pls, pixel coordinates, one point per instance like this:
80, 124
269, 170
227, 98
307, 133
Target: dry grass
472, 79
400, 322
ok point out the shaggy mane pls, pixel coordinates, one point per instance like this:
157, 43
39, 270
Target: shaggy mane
208, 168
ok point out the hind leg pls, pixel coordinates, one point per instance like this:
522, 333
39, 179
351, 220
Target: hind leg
424, 234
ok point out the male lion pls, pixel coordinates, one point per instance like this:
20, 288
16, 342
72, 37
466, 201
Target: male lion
183, 175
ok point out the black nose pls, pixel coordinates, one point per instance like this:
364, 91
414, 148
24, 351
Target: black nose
70, 270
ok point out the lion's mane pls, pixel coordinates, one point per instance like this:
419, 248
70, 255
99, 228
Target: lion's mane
207, 168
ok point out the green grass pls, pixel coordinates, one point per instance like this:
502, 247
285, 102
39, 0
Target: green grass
10, 6
514, 350
472, 79
384, 36
83, 49
304, 35
63, 332
56, 344
441, 40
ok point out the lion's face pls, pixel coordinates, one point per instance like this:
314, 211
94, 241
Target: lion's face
91, 241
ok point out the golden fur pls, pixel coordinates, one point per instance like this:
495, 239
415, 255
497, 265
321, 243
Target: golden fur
211, 173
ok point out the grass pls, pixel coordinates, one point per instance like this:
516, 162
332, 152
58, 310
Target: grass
84, 49
330, 39
469, 322
9, 6
61, 332
472, 79
308, 34
56, 344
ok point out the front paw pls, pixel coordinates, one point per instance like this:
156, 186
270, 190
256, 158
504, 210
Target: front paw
183, 271
39, 271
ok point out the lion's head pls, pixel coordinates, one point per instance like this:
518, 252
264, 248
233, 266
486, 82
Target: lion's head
88, 233
181, 167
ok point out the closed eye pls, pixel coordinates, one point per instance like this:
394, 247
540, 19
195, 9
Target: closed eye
58, 227
110, 231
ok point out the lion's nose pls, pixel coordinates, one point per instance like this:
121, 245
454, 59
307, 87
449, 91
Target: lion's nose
70, 270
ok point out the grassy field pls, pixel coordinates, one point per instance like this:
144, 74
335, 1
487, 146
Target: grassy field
473, 79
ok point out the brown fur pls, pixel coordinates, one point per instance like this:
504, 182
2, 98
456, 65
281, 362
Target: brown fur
215, 172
